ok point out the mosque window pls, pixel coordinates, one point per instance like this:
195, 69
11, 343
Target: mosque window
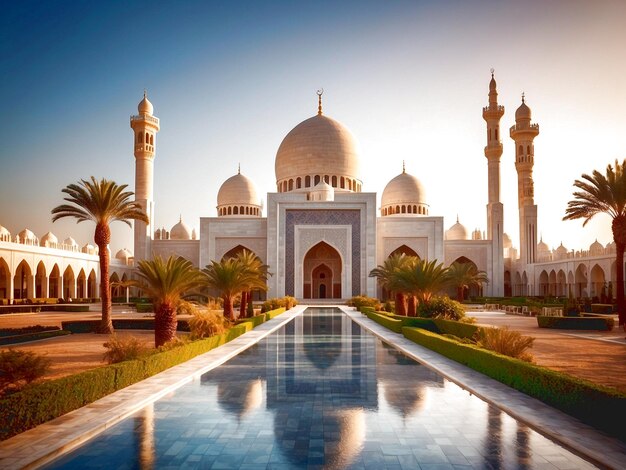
521, 150
415, 209
528, 150
307, 181
147, 138
241, 210
317, 179
151, 139
334, 182
235, 210
343, 182
326, 179
298, 182
403, 209
397, 210
290, 185
350, 185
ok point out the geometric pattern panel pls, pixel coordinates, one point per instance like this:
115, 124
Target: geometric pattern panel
295, 217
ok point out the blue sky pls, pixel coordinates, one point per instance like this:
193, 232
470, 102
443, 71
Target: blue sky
230, 79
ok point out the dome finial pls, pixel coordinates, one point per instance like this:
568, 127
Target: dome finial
523, 96
492, 71
239, 168
319, 92
457, 218
180, 217
403, 167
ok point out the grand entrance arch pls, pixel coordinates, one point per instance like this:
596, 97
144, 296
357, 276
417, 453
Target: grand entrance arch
322, 272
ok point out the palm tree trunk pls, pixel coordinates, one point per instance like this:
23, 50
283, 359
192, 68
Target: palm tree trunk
400, 308
619, 265
228, 308
412, 309
102, 238
165, 323
242, 305
459, 293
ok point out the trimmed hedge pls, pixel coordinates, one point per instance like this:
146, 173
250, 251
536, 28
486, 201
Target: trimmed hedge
42, 402
576, 323
32, 336
591, 403
386, 321
91, 326
256, 320
458, 329
144, 308
604, 309
26, 330
274, 313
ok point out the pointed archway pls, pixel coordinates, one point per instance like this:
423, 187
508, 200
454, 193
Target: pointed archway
5, 280
322, 272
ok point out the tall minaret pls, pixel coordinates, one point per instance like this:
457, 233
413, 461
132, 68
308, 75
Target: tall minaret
523, 133
145, 126
495, 211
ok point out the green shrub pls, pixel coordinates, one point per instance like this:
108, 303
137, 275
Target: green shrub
121, 349
19, 368
205, 323
250, 309
507, 342
417, 322
26, 330
441, 307
389, 306
364, 309
595, 404
363, 301
274, 313
286, 302
144, 308
256, 320
576, 323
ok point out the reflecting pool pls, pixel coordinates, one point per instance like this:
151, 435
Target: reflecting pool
321, 392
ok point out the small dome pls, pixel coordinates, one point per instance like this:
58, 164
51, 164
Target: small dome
180, 231
317, 146
542, 247
4, 232
561, 250
596, 248
523, 112
506, 241
123, 254
49, 239
26, 235
145, 107
69, 241
322, 191
456, 232
89, 249
238, 190
610, 246
404, 190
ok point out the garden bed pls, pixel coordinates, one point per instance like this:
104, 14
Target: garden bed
576, 323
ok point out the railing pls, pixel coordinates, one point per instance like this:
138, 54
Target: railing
145, 117
524, 127
499, 109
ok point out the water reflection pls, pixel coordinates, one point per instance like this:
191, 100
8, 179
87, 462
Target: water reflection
320, 393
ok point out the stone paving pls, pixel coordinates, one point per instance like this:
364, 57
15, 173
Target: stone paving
42, 444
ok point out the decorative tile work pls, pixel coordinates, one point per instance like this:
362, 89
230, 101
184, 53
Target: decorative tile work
322, 217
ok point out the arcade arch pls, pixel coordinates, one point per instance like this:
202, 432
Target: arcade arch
322, 272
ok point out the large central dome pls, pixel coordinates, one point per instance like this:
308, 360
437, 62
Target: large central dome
317, 149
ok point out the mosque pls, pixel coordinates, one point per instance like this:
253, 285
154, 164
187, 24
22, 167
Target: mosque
322, 235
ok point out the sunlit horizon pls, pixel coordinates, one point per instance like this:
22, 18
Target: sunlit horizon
229, 81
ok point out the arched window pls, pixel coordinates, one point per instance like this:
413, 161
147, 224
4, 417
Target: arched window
247, 211
397, 210
307, 181
317, 179
147, 138
496, 133
290, 185
241, 210
350, 185
528, 150
235, 210
326, 179
151, 139
403, 209
415, 209
229, 211
521, 150
334, 182
343, 182
298, 182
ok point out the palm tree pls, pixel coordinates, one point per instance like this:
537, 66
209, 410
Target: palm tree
258, 275
605, 194
102, 202
229, 277
165, 282
463, 276
423, 279
387, 275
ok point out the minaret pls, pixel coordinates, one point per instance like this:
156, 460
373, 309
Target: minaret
495, 210
145, 126
523, 133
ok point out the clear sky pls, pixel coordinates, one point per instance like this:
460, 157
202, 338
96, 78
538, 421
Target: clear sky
230, 79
